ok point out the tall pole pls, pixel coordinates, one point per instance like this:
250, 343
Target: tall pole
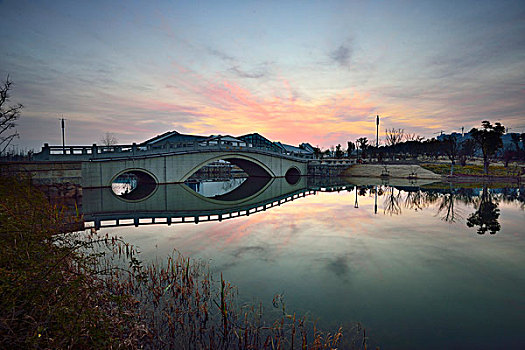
377, 131
63, 137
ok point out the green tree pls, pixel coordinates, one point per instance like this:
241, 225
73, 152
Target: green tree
516, 140
317, 152
467, 149
362, 143
351, 148
338, 152
489, 140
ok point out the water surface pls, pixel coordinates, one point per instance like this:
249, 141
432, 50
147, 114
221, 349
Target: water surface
402, 260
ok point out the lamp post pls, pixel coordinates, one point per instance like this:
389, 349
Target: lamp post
63, 137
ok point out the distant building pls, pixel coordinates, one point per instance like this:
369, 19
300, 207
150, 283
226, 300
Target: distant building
460, 138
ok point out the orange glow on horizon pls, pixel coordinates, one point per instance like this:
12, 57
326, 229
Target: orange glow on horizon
228, 108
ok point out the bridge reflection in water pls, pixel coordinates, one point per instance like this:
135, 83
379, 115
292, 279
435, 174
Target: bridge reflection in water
179, 203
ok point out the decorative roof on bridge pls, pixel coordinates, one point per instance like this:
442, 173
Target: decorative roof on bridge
226, 139
292, 149
173, 136
257, 140
253, 139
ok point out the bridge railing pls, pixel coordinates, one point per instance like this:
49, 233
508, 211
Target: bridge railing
72, 153
98, 221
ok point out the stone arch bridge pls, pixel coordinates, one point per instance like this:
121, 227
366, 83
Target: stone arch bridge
102, 165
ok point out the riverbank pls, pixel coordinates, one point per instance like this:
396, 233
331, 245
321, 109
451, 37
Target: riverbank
475, 173
436, 172
399, 171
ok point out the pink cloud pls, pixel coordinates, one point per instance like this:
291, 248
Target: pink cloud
223, 106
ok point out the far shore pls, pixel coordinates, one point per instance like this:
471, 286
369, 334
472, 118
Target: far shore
416, 171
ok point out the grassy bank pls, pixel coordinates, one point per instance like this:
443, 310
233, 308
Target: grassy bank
472, 170
83, 290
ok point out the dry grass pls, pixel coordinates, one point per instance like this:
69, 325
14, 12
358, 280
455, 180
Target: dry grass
472, 170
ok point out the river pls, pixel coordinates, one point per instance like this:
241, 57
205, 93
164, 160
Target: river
430, 266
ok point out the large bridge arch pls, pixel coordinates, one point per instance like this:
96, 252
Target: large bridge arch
250, 165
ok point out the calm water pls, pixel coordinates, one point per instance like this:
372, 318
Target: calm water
402, 260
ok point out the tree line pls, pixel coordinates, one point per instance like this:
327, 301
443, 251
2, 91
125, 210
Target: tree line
485, 141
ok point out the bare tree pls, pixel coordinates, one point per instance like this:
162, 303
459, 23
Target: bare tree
394, 136
109, 139
8, 116
413, 137
451, 148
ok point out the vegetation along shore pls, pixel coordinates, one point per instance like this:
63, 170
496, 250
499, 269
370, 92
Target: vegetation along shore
63, 289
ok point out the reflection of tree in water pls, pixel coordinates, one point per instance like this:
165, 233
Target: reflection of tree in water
487, 214
513, 195
447, 203
447, 208
416, 200
391, 204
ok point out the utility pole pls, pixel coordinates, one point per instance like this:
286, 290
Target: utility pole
63, 136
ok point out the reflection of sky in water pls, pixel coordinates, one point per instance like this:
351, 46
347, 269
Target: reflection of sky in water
413, 279
123, 184
215, 188
121, 188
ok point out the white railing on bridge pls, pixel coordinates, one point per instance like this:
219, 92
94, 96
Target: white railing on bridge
72, 153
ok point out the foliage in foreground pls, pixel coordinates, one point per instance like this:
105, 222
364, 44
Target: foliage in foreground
51, 297
82, 290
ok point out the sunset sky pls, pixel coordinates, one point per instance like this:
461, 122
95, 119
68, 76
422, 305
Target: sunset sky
294, 71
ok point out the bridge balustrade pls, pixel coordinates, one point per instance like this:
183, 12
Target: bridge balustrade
115, 151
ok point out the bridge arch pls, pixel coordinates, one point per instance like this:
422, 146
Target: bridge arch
292, 175
145, 185
252, 166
